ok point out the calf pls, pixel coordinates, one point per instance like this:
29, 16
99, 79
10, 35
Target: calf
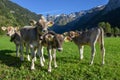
52, 41
15, 36
31, 36
90, 38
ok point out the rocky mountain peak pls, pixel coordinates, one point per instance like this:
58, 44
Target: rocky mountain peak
112, 5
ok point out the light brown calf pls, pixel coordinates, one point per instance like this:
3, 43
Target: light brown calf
31, 36
12, 32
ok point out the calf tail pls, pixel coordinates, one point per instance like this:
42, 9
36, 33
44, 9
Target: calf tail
102, 45
101, 38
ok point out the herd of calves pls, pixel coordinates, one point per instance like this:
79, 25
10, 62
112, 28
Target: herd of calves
37, 36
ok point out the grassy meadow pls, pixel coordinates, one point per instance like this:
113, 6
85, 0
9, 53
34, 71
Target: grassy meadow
69, 65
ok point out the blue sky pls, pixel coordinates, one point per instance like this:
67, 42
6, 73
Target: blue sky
58, 6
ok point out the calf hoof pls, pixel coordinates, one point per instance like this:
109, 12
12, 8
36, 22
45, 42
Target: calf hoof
49, 70
60, 49
32, 68
81, 58
91, 64
42, 65
103, 63
56, 66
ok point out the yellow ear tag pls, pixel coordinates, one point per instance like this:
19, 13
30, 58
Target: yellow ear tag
50, 24
66, 39
3, 28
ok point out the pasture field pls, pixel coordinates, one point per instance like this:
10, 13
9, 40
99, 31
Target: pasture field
69, 65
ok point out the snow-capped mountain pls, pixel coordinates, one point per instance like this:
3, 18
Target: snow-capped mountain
63, 19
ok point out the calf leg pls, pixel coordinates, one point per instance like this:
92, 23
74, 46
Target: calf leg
54, 57
103, 53
17, 50
21, 52
50, 60
81, 48
43, 54
33, 58
40, 55
27, 51
93, 53
35, 55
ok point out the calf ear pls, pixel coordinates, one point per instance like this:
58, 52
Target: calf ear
3, 28
65, 33
33, 22
67, 39
50, 23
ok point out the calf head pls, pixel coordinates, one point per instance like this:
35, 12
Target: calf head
54, 40
49, 38
10, 30
42, 25
60, 39
70, 35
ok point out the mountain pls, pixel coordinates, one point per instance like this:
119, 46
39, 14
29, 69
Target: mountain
11, 14
63, 19
77, 18
112, 5
107, 13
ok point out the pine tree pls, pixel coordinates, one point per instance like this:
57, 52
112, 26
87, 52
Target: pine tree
116, 31
107, 28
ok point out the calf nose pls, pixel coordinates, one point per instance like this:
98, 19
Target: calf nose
60, 49
44, 31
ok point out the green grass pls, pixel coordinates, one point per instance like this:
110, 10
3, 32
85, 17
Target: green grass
69, 65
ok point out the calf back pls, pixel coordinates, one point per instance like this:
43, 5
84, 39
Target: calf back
88, 37
29, 34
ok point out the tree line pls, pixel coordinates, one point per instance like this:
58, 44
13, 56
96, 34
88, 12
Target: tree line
109, 30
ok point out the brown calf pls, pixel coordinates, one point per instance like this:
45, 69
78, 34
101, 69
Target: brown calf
53, 42
90, 38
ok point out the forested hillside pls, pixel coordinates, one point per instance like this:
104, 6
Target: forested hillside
14, 15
